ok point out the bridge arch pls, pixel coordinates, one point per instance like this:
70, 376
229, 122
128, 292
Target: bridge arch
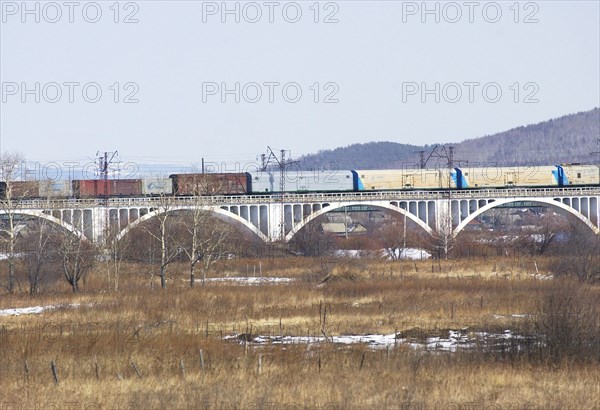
220, 211
329, 208
503, 201
40, 214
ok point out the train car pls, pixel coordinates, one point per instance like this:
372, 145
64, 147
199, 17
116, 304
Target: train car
302, 181
211, 184
98, 188
55, 189
23, 189
390, 180
157, 186
37, 189
503, 177
576, 174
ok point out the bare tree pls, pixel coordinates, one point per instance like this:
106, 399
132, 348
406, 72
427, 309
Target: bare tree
162, 229
400, 234
78, 257
116, 251
580, 256
12, 195
542, 232
35, 244
443, 240
207, 238
205, 235
393, 237
311, 240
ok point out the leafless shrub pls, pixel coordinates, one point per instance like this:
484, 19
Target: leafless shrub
568, 322
312, 241
78, 257
580, 254
37, 244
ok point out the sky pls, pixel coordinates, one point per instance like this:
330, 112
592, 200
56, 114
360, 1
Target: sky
171, 82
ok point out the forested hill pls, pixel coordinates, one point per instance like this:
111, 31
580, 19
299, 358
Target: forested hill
566, 139
372, 155
562, 140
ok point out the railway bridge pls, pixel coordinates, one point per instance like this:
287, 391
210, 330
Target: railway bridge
280, 217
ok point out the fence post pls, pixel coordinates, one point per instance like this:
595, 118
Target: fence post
259, 363
182, 367
26, 371
137, 370
54, 372
202, 360
96, 368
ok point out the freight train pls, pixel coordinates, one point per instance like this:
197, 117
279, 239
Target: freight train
268, 182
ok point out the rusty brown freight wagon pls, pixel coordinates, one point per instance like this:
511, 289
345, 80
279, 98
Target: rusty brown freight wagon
23, 189
211, 183
97, 188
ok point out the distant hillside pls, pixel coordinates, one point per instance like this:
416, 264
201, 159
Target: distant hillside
372, 155
562, 140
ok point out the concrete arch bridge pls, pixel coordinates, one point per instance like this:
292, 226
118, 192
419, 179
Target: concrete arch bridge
280, 217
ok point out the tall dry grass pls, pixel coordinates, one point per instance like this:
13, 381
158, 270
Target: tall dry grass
140, 347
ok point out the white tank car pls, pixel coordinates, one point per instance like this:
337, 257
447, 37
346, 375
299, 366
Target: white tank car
157, 186
302, 181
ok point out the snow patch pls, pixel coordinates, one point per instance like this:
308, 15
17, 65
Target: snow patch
405, 253
6, 256
349, 253
33, 310
519, 316
456, 340
409, 253
252, 280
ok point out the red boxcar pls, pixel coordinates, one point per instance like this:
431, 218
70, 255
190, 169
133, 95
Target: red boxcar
97, 188
210, 184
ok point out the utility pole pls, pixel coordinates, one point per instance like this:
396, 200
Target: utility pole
446, 225
422, 160
263, 162
103, 170
282, 171
282, 163
103, 167
345, 223
404, 231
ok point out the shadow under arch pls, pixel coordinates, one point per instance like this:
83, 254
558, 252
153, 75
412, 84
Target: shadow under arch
219, 211
328, 208
505, 201
50, 218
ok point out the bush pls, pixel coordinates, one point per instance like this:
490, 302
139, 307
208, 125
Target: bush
568, 322
581, 255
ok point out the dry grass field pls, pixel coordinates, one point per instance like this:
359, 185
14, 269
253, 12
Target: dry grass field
145, 348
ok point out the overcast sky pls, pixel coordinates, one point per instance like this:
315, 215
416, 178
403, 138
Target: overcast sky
307, 76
